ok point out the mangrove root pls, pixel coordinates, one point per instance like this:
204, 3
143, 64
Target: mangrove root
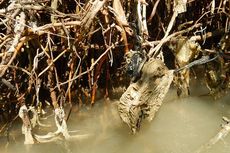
61, 133
26, 127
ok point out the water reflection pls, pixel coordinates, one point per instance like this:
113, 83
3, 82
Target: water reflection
181, 126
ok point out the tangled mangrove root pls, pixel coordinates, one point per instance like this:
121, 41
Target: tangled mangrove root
54, 52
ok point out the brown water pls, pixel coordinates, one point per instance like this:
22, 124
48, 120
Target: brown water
181, 126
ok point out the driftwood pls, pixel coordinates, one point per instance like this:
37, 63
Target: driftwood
143, 98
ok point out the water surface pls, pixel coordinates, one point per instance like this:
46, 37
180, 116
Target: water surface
182, 125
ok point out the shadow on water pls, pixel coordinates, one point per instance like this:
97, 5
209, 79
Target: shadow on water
182, 125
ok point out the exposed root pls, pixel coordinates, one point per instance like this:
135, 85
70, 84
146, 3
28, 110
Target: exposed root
26, 127
62, 132
61, 122
35, 119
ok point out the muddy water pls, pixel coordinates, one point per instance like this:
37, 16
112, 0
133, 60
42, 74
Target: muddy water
181, 126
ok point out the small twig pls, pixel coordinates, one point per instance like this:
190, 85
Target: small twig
58, 24
18, 68
171, 36
121, 28
14, 48
20, 44
91, 67
11, 17
62, 53
153, 11
165, 38
77, 69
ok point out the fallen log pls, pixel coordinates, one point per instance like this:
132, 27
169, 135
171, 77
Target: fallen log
143, 98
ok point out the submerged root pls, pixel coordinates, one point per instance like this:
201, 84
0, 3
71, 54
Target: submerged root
61, 122
50, 137
35, 120
55, 136
62, 132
